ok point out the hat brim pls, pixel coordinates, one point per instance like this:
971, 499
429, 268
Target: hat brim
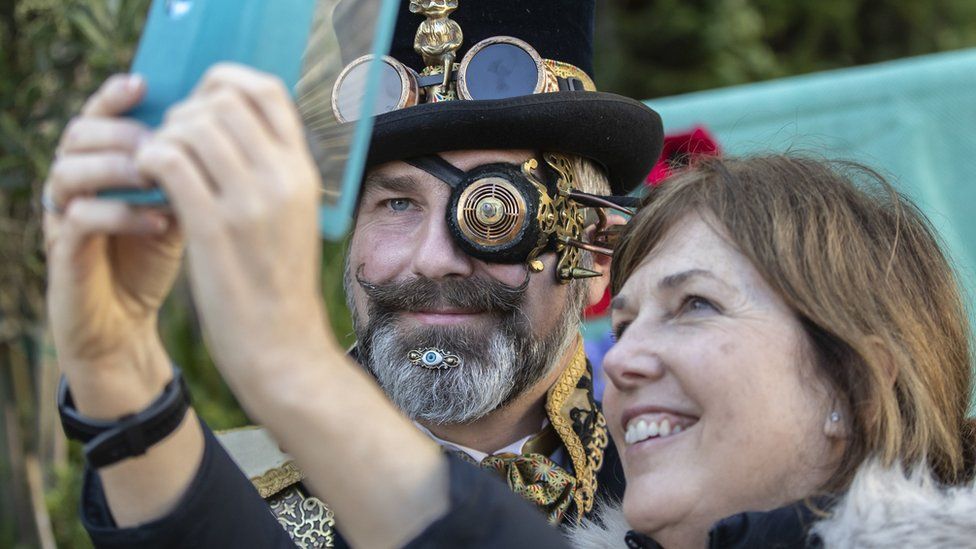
622, 134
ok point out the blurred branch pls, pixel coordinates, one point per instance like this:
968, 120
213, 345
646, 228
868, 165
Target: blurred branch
52, 55
35, 484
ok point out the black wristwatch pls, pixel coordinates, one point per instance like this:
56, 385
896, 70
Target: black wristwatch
108, 441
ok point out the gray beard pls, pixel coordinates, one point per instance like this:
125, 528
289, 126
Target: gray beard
497, 366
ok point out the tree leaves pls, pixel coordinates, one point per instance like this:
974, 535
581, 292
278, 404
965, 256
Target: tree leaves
655, 48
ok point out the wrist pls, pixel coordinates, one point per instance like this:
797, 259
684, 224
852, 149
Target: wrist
120, 383
291, 376
112, 441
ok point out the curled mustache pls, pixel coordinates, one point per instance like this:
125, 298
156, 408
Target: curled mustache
423, 294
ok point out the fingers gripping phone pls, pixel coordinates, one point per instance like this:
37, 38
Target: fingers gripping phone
182, 39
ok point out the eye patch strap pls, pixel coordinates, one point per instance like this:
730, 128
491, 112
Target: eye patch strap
439, 168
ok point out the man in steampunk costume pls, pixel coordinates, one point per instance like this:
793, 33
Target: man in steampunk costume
482, 231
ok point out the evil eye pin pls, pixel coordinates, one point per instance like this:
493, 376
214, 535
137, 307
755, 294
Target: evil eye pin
434, 359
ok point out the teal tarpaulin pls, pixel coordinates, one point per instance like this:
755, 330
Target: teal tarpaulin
912, 119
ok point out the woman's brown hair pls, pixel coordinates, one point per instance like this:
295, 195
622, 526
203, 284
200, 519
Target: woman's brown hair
862, 269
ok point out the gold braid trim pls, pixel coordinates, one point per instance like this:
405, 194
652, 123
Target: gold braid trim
278, 479
598, 443
565, 70
559, 405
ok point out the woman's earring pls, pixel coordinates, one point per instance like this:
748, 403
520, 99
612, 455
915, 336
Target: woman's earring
834, 427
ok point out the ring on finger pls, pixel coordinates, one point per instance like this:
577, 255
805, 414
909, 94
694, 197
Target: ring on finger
49, 205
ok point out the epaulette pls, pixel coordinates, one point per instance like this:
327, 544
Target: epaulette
308, 520
260, 459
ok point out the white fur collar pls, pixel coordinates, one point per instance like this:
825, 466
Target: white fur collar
886, 508
883, 508
605, 529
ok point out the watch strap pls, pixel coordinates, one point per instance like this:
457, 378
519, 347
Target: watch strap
134, 434
111, 441
76, 426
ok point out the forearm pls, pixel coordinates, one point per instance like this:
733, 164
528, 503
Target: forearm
356, 449
219, 509
147, 487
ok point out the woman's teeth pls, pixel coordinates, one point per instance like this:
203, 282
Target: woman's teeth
642, 430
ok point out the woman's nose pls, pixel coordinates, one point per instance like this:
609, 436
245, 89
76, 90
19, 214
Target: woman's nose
633, 360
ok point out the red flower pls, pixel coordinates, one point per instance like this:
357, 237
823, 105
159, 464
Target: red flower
678, 151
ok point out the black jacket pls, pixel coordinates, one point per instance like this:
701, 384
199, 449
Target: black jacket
222, 509
787, 527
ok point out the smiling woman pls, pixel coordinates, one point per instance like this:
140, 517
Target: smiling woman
712, 389
779, 327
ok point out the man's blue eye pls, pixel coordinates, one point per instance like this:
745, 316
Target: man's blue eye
399, 204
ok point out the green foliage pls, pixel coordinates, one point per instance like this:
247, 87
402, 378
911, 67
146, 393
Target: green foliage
62, 503
55, 53
654, 48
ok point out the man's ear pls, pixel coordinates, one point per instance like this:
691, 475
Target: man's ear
597, 286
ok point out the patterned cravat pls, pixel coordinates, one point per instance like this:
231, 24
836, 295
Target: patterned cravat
577, 428
538, 479
535, 476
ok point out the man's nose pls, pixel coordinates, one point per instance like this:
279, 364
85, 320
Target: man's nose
436, 255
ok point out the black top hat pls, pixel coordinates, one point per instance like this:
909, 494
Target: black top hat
623, 135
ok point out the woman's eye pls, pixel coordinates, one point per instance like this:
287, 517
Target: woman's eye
398, 204
696, 303
618, 331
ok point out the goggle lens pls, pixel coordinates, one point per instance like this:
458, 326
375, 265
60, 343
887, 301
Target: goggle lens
501, 67
500, 71
352, 86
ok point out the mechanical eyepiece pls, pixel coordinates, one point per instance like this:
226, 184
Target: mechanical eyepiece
503, 213
489, 214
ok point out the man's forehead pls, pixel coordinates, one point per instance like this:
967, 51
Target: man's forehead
399, 177
464, 160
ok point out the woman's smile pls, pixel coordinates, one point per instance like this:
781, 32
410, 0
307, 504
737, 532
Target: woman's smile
657, 426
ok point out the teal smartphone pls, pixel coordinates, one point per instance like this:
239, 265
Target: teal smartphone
182, 39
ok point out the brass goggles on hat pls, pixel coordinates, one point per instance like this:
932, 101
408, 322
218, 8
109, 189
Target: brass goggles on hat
495, 68
503, 213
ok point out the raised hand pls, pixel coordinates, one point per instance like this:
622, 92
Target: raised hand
234, 162
110, 265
